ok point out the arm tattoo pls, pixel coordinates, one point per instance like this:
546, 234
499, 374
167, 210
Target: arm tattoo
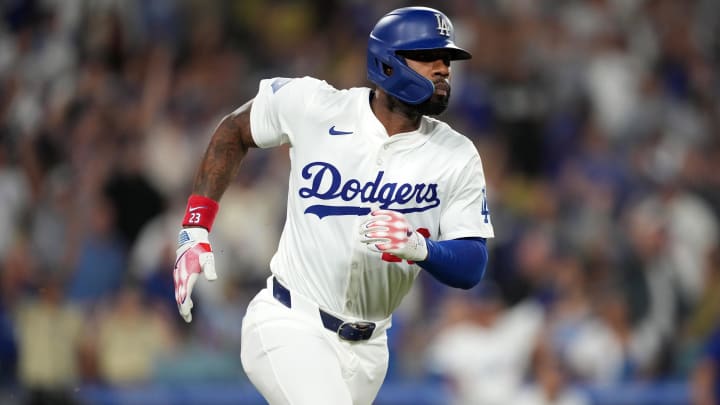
221, 162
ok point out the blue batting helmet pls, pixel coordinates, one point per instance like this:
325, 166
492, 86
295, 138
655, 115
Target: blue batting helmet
408, 29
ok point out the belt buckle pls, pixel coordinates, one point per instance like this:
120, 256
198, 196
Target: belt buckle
354, 331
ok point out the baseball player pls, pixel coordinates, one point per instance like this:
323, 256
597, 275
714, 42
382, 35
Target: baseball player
378, 192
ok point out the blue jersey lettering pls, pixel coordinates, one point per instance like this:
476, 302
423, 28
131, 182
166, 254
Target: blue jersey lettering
326, 183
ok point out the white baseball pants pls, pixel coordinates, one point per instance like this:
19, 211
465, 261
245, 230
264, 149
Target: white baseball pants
291, 358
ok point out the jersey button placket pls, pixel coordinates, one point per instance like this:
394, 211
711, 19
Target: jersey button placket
354, 282
381, 154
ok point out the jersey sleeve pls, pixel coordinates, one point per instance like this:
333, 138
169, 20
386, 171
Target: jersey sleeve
467, 213
280, 103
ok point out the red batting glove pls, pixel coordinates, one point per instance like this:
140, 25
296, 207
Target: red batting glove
194, 256
389, 232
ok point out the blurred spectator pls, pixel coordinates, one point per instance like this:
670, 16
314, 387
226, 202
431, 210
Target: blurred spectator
705, 378
700, 322
693, 230
15, 194
484, 349
17, 276
101, 264
134, 199
50, 333
626, 333
8, 346
645, 274
527, 274
52, 222
569, 308
606, 349
550, 384
131, 336
152, 248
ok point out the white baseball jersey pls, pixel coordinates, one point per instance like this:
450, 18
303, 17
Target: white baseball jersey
343, 163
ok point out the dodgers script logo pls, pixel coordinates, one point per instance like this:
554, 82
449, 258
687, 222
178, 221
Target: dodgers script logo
326, 183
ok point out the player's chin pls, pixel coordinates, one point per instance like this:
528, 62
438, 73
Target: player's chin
435, 105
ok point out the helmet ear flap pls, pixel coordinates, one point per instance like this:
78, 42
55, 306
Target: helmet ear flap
404, 83
377, 65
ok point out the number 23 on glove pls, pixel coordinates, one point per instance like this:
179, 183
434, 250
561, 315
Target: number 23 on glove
194, 256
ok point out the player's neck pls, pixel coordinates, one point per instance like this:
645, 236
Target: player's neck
395, 116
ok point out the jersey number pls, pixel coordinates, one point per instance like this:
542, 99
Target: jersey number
485, 211
194, 218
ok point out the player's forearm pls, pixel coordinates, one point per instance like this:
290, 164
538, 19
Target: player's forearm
458, 263
221, 162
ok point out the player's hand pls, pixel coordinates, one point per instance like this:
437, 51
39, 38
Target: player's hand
389, 232
194, 256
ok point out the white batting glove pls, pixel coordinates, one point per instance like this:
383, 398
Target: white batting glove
389, 231
194, 256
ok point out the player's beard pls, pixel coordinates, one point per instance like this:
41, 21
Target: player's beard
436, 104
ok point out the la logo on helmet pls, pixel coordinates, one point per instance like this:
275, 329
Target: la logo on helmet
443, 26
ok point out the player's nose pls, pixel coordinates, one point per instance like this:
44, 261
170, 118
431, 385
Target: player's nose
441, 67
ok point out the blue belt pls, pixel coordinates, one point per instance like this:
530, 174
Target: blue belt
352, 331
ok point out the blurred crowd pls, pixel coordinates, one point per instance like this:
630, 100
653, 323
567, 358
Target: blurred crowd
598, 122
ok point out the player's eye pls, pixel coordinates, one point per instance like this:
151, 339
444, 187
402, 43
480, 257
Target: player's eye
427, 56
